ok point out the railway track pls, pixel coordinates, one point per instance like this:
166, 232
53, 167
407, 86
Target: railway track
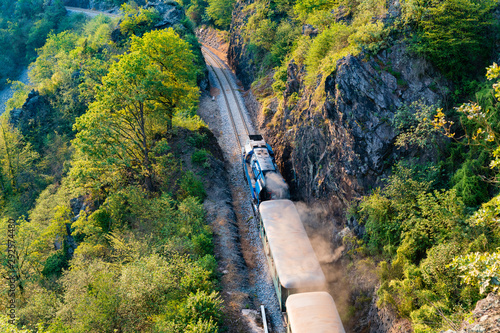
260, 283
214, 63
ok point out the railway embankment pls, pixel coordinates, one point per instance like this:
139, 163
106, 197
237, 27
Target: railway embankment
253, 286
220, 208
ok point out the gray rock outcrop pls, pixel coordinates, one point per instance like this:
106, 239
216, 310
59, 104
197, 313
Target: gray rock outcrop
171, 13
338, 148
238, 55
34, 118
486, 316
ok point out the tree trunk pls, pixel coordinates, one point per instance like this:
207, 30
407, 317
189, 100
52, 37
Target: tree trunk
145, 149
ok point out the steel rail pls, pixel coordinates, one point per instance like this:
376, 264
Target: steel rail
223, 66
233, 123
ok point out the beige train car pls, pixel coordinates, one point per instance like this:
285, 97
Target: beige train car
293, 264
313, 312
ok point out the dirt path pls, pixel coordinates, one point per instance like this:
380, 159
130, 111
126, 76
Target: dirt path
90, 12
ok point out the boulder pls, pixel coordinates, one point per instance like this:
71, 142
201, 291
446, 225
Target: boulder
171, 13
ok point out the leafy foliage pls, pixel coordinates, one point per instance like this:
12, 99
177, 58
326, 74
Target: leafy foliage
330, 40
454, 34
220, 12
440, 258
24, 26
137, 20
414, 124
480, 269
140, 260
136, 104
419, 231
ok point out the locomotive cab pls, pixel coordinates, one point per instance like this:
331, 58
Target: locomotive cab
261, 171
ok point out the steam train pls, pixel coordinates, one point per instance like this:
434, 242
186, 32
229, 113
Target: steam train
297, 276
261, 172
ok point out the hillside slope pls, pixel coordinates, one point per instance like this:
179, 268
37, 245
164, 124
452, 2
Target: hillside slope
362, 101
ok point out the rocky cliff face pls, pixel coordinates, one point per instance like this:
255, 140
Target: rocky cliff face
336, 143
486, 317
171, 13
339, 146
35, 117
238, 55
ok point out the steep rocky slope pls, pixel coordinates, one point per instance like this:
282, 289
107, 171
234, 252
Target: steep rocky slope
334, 141
337, 146
238, 55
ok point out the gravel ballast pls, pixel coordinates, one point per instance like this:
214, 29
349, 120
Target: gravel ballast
260, 287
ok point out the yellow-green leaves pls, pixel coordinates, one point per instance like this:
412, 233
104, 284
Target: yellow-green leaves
480, 269
134, 108
220, 11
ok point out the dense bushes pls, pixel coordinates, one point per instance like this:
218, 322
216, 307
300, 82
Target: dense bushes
438, 251
456, 35
418, 232
131, 259
220, 12
138, 20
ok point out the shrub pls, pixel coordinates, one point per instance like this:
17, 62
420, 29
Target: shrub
220, 12
480, 269
209, 263
55, 264
454, 34
286, 34
366, 10
197, 139
202, 326
370, 37
280, 77
333, 39
305, 7
190, 185
41, 307
469, 185
137, 21
200, 158
414, 125
202, 243
202, 305
6, 326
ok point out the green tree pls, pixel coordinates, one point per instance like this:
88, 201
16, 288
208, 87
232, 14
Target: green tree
220, 12
134, 107
196, 11
138, 20
454, 34
18, 172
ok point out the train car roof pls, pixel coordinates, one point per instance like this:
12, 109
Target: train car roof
264, 159
294, 257
255, 141
313, 312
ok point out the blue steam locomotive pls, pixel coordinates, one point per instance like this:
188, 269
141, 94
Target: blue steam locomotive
261, 172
